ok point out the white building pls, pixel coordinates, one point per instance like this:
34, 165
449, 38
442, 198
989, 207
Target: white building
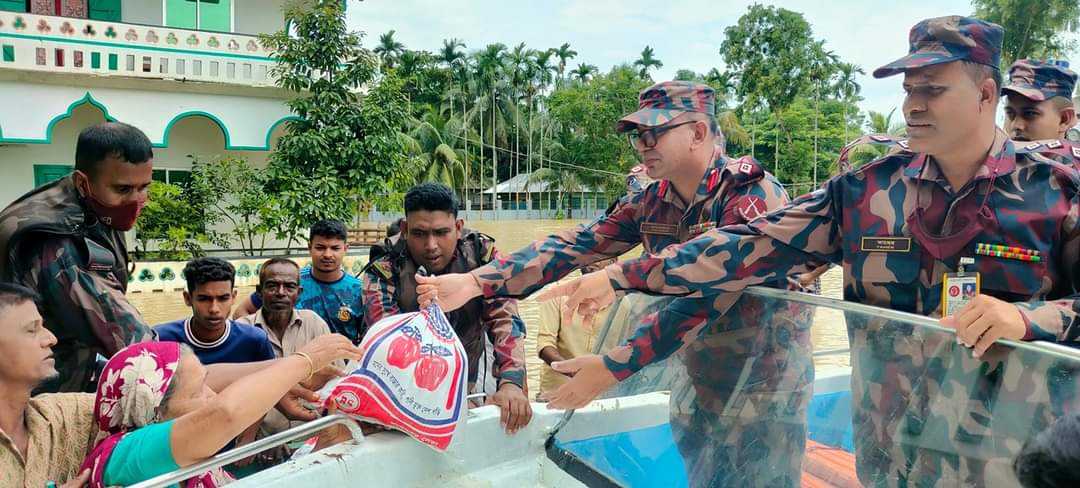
190, 73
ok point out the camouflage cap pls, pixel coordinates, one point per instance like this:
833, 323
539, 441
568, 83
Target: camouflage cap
946, 39
660, 103
1039, 80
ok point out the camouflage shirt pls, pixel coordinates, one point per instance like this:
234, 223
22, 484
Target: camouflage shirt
861, 220
1060, 150
733, 191
51, 244
390, 288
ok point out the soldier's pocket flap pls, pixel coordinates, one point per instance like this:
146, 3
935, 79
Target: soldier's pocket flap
98, 257
1011, 279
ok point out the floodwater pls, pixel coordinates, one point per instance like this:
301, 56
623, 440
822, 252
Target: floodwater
828, 332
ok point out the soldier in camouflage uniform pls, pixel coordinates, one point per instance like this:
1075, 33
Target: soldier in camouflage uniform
897, 225
739, 411
66, 241
434, 238
1039, 109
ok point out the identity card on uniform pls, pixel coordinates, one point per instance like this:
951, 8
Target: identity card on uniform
957, 289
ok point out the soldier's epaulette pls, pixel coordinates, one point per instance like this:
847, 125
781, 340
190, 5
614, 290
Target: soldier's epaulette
383, 266
1053, 146
485, 245
896, 145
739, 172
637, 180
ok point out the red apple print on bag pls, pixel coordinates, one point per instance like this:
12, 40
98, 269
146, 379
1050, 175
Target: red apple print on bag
404, 349
432, 368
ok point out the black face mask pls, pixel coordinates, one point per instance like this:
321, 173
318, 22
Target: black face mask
949, 245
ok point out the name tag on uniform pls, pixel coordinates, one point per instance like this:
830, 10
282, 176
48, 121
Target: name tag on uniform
885, 244
698, 229
659, 229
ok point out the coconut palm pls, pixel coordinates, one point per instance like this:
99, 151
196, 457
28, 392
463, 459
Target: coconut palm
432, 140
451, 56
647, 61
879, 123
847, 88
389, 49
583, 72
564, 53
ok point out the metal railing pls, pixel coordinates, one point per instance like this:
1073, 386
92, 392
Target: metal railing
299, 432
1043, 347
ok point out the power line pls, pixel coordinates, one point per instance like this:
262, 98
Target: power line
552, 161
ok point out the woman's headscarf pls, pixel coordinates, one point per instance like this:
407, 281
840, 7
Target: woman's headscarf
130, 395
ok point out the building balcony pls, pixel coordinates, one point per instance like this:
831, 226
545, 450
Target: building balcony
48, 44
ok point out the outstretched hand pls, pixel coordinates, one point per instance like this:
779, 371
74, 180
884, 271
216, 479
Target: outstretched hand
590, 378
587, 296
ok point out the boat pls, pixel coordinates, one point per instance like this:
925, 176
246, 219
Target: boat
979, 411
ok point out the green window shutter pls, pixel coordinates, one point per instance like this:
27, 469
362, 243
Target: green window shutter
46, 173
179, 177
9, 53
113, 61
108, 10
180, 14
95, 60
160, 175
13, 5
215, 15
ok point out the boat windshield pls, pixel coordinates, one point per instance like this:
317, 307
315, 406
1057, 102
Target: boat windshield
894, 400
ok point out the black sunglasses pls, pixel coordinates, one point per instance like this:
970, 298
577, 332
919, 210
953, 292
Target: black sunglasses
649, 137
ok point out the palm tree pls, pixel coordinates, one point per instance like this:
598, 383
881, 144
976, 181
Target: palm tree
432, 141
389, 49
822, 69
583, 72
847, 88
879, 124
647, 61
450, 55
558, 178
564, 53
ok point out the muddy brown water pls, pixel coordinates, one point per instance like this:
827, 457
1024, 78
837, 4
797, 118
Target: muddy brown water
828, 331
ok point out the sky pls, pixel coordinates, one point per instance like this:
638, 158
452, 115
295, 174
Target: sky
686, 34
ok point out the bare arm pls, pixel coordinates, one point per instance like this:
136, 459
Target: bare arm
244, 308
201, 433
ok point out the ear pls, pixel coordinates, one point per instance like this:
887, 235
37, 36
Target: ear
459, 224
403, 228
988, 92
234, 294
187, 297
1068, 118
82, 182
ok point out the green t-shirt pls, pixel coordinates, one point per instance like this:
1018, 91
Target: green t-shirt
141, 455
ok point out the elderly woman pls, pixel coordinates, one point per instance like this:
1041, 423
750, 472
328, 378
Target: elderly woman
154, 402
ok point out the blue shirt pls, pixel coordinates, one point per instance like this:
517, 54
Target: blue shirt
338, 303
242, 343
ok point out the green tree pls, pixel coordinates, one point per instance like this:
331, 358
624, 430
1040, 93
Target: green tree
343, 146
232, 191
583, 72
174, 221
647, 62
564, 53
772, 53
1033, 28
389, 49
432, 140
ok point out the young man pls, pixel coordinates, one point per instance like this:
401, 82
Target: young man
209, 331
1039, 109
897, 226
328, 290
434, 238
695, 187
43, 438
65, 240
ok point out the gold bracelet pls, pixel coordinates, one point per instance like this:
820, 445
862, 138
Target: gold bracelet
311, 363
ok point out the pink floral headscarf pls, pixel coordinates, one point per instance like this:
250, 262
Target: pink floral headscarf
129, 396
